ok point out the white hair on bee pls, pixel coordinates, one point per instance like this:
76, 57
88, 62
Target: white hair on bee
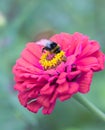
44, 42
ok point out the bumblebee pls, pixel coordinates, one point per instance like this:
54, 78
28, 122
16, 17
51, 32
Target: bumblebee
50, 46
53, 55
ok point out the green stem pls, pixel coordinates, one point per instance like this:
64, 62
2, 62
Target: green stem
90, 106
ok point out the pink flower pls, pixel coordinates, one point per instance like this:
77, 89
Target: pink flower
40, 87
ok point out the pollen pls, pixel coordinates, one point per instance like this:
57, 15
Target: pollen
54, 61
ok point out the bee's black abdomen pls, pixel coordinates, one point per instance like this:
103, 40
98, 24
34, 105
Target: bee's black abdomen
57, 50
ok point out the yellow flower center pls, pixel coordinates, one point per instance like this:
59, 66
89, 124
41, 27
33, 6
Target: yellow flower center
53, 62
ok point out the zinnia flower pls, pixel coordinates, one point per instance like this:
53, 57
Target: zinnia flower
43, 77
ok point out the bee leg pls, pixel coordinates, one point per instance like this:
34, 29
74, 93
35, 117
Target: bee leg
64, 59
43, 49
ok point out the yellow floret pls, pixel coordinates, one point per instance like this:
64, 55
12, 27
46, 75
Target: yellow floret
48, 64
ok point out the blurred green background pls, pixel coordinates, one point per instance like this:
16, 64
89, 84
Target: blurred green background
22, 21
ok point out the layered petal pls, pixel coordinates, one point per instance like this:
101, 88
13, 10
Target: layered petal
84, 81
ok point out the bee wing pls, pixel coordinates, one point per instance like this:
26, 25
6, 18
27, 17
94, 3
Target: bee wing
43, 42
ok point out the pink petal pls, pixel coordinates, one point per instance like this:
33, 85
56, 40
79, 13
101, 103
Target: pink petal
63, 39
29, 57
60, 68
61, 81
76, 41
33, 94
48, 110
43, 100
89, 62
101, 62
64, 97
24, 63
35, 49
63, 88
33, 106
100, 59
85, 81
72, 75
73, 87
47, 89
23, 98
54, 97
19, 87
70, 60
62, 75
90, 48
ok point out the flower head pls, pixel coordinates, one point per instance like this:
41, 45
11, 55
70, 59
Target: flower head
43, 77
